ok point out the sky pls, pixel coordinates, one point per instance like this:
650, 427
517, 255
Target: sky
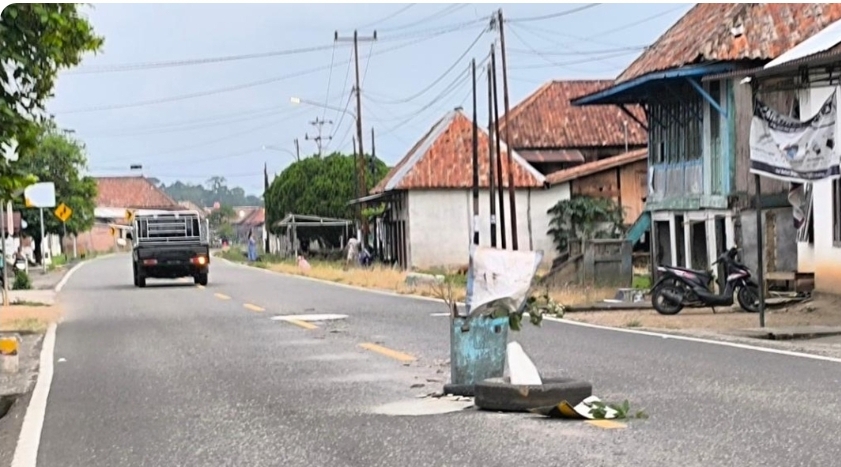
190, 91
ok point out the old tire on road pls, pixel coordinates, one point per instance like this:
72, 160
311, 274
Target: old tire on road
500, 395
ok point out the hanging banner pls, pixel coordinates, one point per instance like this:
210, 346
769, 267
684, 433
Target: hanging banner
793, 150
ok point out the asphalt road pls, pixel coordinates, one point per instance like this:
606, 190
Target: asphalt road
178, 375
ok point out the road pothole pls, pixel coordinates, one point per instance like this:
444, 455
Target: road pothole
6, 403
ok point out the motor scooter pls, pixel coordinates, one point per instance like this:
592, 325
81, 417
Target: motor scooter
680, 287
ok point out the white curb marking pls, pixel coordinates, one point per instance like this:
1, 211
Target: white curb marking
26, 452
698, 340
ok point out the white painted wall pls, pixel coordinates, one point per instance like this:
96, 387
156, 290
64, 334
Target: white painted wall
440, 228
821, 257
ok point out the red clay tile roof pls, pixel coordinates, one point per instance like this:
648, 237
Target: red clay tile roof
254, 218
595, 167
733, 31
546, 119
134, 192
443, 158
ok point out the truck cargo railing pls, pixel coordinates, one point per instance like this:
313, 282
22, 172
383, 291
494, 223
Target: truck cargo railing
170, 228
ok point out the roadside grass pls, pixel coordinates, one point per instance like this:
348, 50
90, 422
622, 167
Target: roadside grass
377, 277
573, 295
28, 318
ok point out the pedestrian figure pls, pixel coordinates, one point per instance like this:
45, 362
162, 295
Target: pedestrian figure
303, 264
352, 251
252, 247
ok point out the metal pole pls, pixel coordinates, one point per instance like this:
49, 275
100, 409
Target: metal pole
43, 244
475, 161
760, 257
5, 258
491, 161
511, 190
497, 146
297, 151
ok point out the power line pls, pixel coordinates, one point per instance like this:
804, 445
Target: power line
188, 62
206, 143
437, 80
550, 61
329, 80
387, 17
592, 37
452, 87
233, 88
553, 15
446, 11
530, 50
571, 62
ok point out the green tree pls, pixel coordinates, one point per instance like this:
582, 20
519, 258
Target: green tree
584, 218
60, 159
319, 187
36, 41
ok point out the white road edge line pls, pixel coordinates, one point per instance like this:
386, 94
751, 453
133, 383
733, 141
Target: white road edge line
26, 451
66, 277
559, 320
697, 340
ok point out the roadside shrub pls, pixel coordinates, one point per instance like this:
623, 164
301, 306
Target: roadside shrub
22, 281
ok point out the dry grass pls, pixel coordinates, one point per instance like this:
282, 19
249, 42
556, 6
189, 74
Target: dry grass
27, 318
821, 311
378, 277
581, 295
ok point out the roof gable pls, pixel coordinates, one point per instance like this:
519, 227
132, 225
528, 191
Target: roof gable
731, 32
547, 119
443, 158
135, 192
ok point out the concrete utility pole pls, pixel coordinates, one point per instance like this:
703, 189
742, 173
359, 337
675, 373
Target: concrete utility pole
297, 150
491, 160
319, 124
498, 153
509, 149
363, 190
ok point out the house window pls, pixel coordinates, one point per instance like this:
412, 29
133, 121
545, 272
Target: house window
836, 212
675, 128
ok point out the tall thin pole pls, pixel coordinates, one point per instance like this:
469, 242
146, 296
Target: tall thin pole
363, 187
5, 257
760, 248
373, 164
475, 160
491, 161
499, 183
297, 150
43, 244
511, 191
356, 186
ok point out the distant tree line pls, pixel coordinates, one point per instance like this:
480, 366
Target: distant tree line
215, 190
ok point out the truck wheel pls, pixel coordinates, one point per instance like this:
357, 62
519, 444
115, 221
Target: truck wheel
139, 278
201, 279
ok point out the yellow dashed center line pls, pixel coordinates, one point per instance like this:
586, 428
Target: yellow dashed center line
222, 296
302, 324
253, 307
606, 424
399, 356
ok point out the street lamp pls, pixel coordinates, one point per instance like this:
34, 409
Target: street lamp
276, 148
299, 101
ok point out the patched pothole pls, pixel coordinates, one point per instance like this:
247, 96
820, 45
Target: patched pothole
426, 406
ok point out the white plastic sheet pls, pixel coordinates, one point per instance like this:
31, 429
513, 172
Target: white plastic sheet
502, 278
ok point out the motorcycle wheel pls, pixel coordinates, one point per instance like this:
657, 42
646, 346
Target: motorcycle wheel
663, 305
748, 297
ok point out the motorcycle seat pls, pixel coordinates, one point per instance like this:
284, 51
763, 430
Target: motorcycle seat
693, 271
